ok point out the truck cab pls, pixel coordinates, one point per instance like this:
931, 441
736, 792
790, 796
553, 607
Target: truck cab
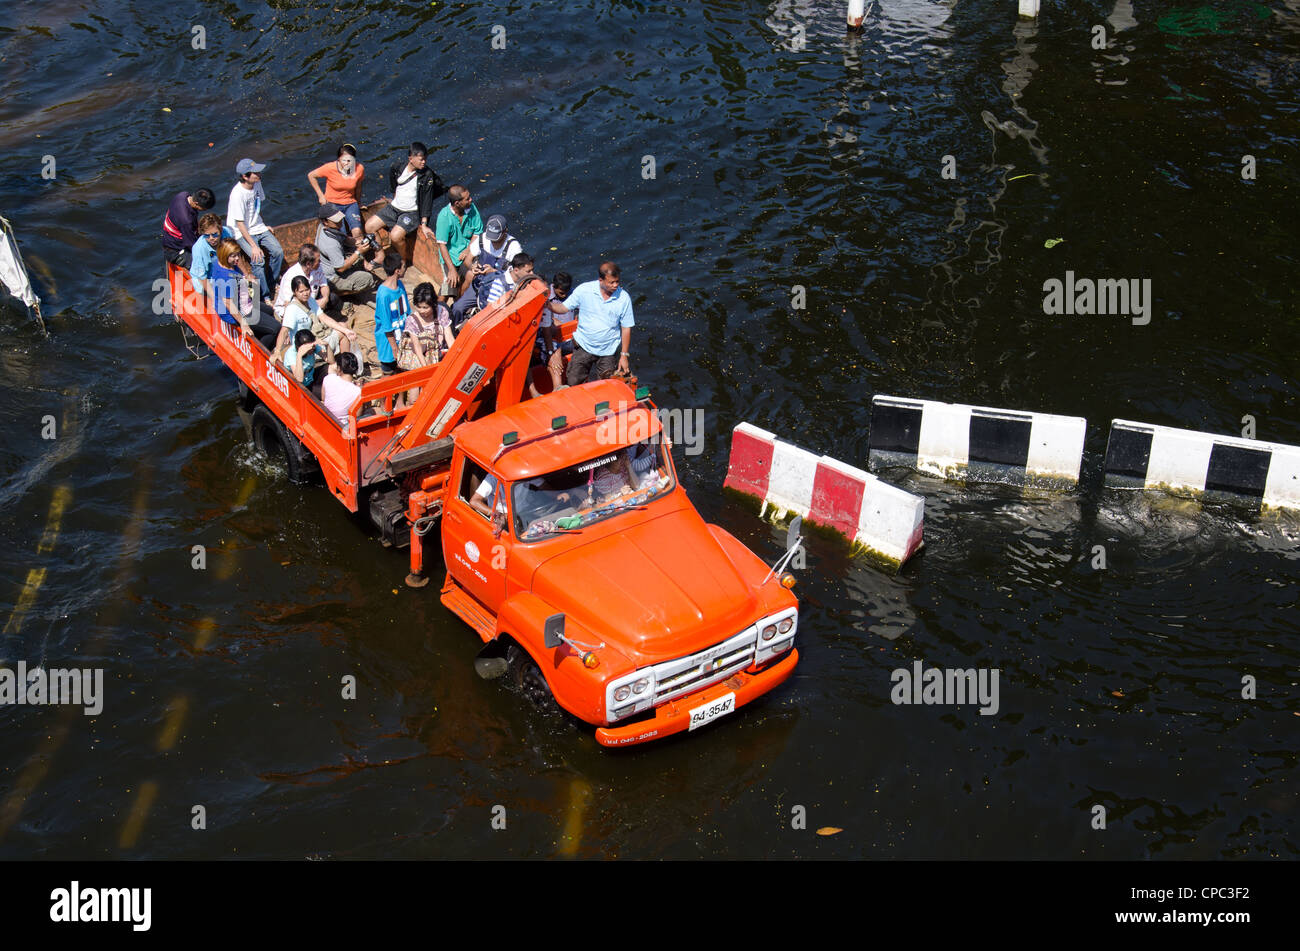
567, 536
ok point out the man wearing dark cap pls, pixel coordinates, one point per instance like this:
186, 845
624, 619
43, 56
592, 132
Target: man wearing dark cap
244, 217
180, 224
490, 256
495, 247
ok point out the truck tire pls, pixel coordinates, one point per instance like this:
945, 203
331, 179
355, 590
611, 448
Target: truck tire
279, 445
528, 679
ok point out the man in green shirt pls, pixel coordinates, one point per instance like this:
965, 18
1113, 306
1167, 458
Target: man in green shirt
458, 224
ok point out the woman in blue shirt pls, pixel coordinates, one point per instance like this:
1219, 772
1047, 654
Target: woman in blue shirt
235, 301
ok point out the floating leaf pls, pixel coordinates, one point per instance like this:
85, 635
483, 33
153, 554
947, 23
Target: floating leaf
1052, 242
829, 830
1117, 693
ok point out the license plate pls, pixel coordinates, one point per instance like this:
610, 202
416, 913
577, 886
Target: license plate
710, 711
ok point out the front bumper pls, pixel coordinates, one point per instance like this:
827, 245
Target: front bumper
675, 715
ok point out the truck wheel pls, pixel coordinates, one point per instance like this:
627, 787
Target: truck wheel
528, 678
279, 445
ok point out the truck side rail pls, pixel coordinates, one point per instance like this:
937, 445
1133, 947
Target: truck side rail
493, 348
295, 407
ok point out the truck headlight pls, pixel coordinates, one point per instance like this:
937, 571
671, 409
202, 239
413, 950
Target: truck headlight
629, 694
776, 635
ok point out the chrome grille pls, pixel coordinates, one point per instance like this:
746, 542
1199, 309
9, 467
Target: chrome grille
673, 678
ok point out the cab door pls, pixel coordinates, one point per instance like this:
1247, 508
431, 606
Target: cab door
473, 550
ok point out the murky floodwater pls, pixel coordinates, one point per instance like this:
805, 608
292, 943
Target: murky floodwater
785, 154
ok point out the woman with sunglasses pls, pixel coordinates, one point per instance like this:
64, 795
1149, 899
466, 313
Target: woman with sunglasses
343, 179
235, 290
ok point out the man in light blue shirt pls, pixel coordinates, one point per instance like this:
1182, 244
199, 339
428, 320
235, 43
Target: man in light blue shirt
211, 234
604, 312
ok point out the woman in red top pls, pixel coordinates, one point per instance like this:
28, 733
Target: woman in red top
343, 179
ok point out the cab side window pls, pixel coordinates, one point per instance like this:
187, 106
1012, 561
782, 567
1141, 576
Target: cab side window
471, 477
478, 489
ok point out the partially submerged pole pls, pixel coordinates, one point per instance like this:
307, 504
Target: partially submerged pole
857, 11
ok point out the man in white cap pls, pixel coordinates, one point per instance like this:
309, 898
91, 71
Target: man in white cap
244, 217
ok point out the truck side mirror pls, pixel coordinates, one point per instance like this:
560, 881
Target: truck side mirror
794, 532
553, 631
793, 539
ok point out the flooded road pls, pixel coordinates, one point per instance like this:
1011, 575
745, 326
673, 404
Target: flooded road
785, 154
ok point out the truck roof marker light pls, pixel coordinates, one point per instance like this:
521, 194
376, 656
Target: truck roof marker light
642, 392
509, 439
602, 407
559, 422
787, 580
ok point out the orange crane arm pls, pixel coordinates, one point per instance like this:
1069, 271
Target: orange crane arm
495, 345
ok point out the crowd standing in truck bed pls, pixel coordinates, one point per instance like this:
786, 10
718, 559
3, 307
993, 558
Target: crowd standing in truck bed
308, 316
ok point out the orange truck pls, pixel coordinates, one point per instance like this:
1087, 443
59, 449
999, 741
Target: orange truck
569, 544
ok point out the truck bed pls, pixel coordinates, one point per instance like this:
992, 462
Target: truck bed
351, 456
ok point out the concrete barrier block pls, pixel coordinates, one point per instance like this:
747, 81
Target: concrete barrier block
975, 443
750, 464
1187, 462
794, 472
870, 512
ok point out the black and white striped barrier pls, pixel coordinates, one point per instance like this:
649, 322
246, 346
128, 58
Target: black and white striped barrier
1183, 461
974, 443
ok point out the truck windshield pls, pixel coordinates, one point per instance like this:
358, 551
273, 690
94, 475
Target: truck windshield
599, 488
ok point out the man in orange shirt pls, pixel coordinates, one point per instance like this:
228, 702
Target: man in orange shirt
343, 179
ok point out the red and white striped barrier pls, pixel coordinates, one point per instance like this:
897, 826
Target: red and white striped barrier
881, 517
